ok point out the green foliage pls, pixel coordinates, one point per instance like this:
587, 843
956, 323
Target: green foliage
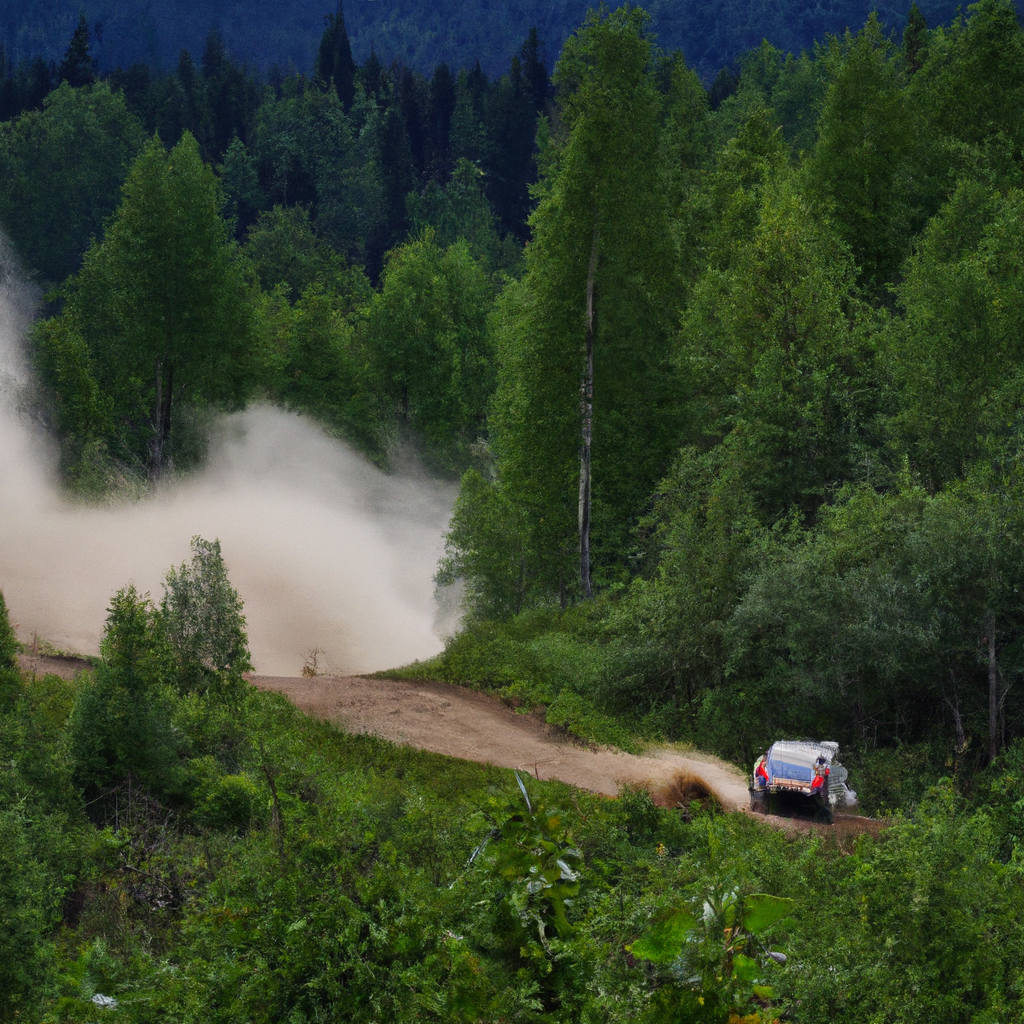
201, 616
243, 197
119, 724
860, 171
718, 952
968, 91
894, 779
24, 899
169, 681
772, 348
487, 545
307, 151
531, 852
460, 210
334, 64
9, 646
284, 249
665, 640
317, 365
578, 716
161, 305
600, 228
229, 804
953, 357
538, 658
365, 880
935, 882
60, 171
39, 833
721, 210
424, 332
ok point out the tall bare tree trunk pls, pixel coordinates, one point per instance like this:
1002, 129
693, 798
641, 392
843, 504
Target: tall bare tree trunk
587, 411
993, 689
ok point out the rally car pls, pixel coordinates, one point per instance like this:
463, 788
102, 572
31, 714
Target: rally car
806, 769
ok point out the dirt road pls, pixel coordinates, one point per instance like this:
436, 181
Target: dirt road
478, 727
475, 726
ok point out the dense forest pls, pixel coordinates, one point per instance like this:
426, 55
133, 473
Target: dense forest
731, 379
422, 35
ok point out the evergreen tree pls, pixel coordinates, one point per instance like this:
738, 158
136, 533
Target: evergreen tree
242, 193
860, 172
535, 72
954, 358
283, 249
509, 163
398, 179
231, 97
78, 68
441, 107
370, 74
39, 81
915, 39
771, 354
334, 61
468, 134
411, 101
195, 111
461, 210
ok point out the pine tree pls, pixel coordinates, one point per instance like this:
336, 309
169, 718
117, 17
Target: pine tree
78, 68
334, 59
535, 70
915, 39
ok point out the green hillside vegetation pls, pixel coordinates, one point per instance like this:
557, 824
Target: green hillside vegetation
180, 846
731, 380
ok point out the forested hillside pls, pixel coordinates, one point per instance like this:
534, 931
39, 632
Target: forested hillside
179, 846
731, 378
744, 409
264, 34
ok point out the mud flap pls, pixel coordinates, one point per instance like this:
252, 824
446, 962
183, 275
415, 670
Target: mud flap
758, 800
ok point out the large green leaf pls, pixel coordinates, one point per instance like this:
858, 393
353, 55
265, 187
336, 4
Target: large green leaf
744, 969
761, 911
663, 943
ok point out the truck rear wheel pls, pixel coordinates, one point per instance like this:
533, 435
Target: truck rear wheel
824, 815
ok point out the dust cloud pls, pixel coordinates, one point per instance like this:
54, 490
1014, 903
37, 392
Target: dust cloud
325, 550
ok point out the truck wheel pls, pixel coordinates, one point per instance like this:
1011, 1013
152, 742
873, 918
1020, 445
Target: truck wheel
824, 816
758, 801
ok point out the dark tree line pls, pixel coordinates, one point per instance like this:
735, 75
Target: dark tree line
289, 139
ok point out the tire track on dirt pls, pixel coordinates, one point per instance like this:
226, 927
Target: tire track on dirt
478, 727
475, 726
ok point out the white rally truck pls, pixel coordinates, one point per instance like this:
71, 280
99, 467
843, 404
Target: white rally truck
807, 769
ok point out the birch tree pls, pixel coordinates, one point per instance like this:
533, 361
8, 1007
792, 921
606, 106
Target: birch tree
583, 418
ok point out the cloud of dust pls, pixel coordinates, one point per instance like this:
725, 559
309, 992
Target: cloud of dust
325, 550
